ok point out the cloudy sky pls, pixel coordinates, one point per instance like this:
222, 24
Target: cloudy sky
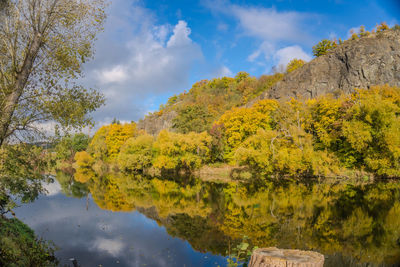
153, 49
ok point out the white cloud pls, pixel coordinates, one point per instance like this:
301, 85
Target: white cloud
222, 27
112, 246
180, 36
285, 55
136, 58
273, 29
223, 71
266, 48
269, 24
115, 74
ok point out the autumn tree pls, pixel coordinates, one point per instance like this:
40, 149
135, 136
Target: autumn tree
192, 118
136, 154
382, 27
108, 140
240, 123
323, 47
44, 45
294, 64
69, 145
174, 151
83, 165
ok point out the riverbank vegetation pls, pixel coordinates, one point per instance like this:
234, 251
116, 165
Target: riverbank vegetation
345, 135
20, 247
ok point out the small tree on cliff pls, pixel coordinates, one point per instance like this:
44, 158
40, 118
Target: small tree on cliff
323, 47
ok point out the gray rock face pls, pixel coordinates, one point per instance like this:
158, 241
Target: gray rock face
361, 63
154, 123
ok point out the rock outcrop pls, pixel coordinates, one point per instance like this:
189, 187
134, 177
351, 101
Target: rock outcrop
155, 122
361, 63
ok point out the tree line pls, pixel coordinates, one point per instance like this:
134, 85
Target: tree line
350, 134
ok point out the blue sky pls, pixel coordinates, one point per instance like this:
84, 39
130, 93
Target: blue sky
151, 50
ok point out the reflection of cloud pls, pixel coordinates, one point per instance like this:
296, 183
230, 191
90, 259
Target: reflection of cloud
52, 188
112, 246
129, 238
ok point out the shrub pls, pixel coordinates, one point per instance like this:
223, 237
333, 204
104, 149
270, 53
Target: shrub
294, 64
323, 47
176, 151
136, 154
20, 247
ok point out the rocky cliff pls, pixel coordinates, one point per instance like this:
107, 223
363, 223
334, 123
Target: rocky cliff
361, 63
155, 122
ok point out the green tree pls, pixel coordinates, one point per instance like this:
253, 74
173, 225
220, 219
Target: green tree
323, 47
192, 118
136, 154
44, 44
69, 145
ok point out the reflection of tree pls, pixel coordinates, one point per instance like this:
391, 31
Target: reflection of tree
359, 221
70, 187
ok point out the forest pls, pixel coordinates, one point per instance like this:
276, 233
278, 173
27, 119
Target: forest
330, 136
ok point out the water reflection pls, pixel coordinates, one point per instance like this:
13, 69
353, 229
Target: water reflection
97, 237
352, 223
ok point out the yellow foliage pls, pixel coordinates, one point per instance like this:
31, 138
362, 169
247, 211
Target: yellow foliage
83, 159
83, 165
137, 153
187, 151
294, 64
116, 137
325, 112
240, 123
109, 139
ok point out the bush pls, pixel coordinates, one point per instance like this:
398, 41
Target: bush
192, 118
20, 247
176, 151
382, 27
294, 64
136, 154
240, 123
323, 47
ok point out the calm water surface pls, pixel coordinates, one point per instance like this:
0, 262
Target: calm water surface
118, 220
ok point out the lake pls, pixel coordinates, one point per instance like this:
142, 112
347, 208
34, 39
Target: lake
121, 220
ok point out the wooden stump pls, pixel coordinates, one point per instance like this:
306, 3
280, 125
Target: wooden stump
275, 257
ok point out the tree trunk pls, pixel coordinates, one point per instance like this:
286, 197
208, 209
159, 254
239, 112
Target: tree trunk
274, 257
22, 76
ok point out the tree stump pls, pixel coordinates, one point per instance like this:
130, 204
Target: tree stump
275, 257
